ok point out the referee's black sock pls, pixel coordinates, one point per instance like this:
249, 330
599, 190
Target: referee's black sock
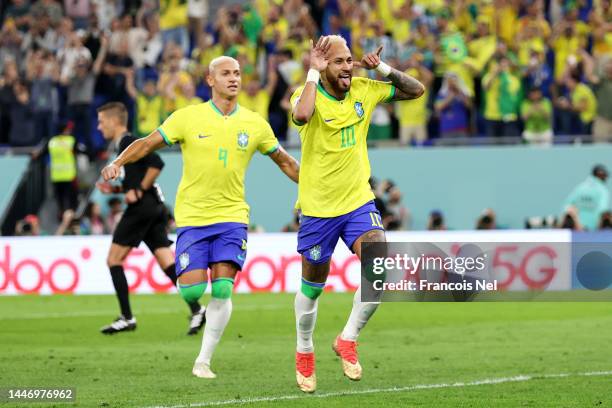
170, 271
121, 288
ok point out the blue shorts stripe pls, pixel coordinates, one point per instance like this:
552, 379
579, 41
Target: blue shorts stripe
313, 284
190, 285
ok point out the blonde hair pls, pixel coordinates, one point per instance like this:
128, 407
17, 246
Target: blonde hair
219, 60
337, 39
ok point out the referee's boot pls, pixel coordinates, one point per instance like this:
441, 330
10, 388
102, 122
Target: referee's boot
120, 324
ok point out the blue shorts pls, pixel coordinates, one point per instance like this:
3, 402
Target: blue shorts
317, 237
198, 247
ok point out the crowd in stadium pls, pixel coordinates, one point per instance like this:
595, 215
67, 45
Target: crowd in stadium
530, 68
535, 68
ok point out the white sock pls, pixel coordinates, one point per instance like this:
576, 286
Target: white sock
218, 313
305, 319
360, 314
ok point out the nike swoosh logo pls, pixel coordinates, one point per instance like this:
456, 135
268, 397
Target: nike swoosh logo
328, 120
203, 136
240, 257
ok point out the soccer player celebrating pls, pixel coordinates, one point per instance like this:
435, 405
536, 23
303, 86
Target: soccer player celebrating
217, 140
333, 112
144, 219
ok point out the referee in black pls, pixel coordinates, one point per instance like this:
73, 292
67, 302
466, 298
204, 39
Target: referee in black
145, 218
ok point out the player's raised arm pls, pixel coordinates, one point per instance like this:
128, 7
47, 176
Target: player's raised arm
134, 152
407, 86
305, 104
287, 163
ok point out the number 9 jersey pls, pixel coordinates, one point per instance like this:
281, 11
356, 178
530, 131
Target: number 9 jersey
216, 152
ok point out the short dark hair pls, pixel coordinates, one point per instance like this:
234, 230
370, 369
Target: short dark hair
116, 109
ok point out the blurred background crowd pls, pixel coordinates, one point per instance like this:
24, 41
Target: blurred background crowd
504, 71
497, 68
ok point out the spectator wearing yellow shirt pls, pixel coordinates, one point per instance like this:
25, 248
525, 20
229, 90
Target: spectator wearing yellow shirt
172, 78
452, 52
534, 21
402, 18
506, 15
256, 98
412, 115
149, 105
276, 29
582, 102
188, 96
173, 22
583, 30
566, 43
601, 23
502, 96
483, 46
533, 32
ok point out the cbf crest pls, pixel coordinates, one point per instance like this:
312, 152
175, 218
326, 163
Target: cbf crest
315, 252
359, 109
184, 260
243, 140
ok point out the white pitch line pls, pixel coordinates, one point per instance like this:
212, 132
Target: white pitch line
59, 315
486, 381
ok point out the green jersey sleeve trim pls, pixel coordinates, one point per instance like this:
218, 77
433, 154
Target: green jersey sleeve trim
327, 95
161, 132
272, 150
297, 122
392, 94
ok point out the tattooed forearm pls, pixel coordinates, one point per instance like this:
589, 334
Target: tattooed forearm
407, 86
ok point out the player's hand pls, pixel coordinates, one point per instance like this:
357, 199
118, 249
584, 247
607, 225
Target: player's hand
104, 187
318, 54
132, 196
110, 172
370, 60
67, 216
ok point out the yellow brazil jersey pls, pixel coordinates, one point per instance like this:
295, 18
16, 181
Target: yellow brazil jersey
258, 103
564, 47
492, 109
172, 14
413, 112
216, 153
583, 94
149, 113
335, 169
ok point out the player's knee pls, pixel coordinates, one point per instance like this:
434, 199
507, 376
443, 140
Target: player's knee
112, 260
192, 292
311, 290
222, 288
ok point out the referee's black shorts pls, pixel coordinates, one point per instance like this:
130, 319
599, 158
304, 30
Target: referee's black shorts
144, 221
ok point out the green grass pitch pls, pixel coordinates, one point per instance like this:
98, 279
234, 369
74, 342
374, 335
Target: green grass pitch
409, 352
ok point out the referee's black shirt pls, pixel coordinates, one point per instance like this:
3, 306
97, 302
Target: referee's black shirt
135, 172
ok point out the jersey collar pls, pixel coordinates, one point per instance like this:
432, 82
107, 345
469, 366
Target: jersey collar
212, 104
324, 92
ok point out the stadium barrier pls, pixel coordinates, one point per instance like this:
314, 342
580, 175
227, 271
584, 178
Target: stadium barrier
77, 265
515, 181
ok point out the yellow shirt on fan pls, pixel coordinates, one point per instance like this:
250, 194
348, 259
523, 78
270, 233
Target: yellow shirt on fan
335, 169
172, 14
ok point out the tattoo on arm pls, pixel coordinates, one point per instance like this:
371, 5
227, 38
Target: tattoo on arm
407, 86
